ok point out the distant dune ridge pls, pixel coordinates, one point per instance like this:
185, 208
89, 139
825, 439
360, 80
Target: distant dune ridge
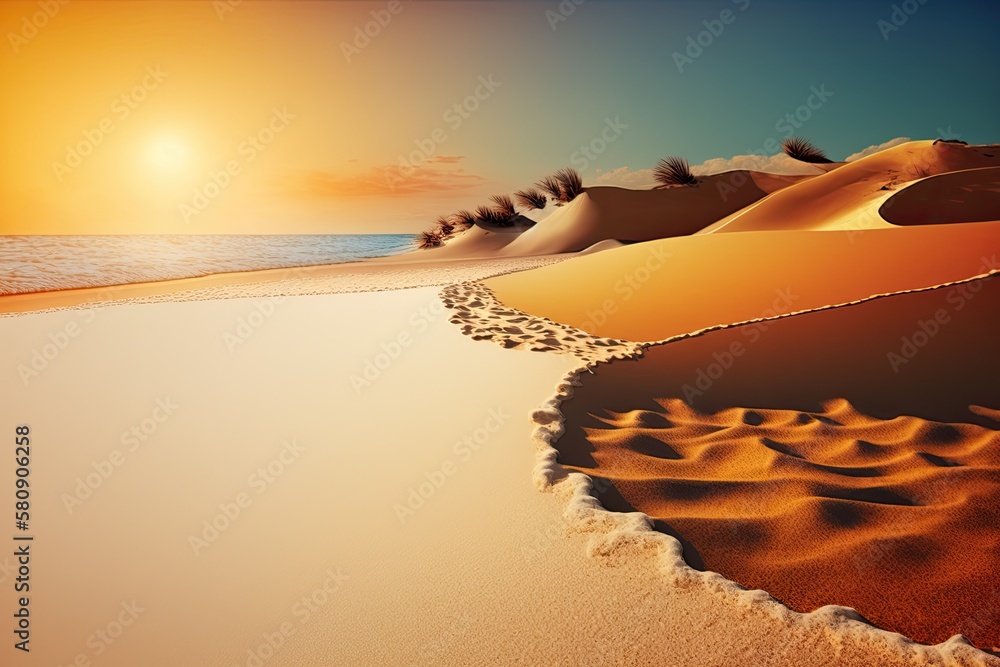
844, 197
606, 212
841, 195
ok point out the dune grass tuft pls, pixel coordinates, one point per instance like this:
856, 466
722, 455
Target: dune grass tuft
674, 171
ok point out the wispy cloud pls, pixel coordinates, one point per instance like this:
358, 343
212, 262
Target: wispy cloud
445, 159
385, 180
871, 150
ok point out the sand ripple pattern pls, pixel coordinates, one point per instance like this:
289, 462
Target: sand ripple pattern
852, 447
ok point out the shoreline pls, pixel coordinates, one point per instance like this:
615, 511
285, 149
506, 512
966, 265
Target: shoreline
367, 275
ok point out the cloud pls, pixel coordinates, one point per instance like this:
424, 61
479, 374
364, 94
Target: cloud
445, 159
625, 177
772, 164
871, 150
383, 180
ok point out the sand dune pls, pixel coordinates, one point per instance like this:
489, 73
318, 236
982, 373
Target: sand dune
815, 465
602, 213
637, 215
472, 243
848, 197
655, 290
972, 195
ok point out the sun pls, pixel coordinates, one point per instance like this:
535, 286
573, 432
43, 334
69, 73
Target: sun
167, 155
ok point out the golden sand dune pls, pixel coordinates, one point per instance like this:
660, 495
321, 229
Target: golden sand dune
848, 197
848, 456
642, 215
972, 195
655, 290
474, 242
601, 213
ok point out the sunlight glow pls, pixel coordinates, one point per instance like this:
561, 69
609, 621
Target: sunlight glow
167, 155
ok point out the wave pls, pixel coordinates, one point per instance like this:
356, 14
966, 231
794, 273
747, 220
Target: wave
44, 263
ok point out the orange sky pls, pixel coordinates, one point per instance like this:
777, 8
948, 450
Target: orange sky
127, 116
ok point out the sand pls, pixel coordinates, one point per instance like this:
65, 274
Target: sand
814, 465
971, 195
604, 213
849, 196
401, 272
823, 429
652, 291
487, 571
334, 467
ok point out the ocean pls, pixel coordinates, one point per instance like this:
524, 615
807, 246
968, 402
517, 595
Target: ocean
40, 263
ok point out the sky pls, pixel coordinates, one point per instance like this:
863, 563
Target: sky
221, 116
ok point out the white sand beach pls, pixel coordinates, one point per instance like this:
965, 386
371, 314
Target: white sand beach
317, 562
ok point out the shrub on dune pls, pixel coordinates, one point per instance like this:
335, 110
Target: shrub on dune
463, 220
487, 215
504, 207
530, 199
803, 150
563, 186
551, 186
674, 171
571, 184
443, 227
428, 240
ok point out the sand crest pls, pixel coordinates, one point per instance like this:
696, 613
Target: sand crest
655, 290
842, 198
